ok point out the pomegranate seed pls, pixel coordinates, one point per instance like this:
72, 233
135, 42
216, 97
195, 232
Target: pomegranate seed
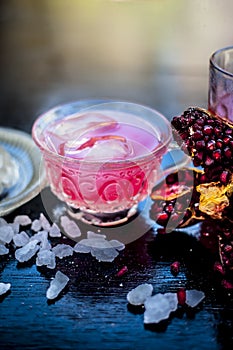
199, 156
224, 177
229, 131
226, 261
197, 135
226, 140
217, 131
227, 152
209, 161
171, 179
175, 268
174, 217
181, 296
169, 208
227, 284
122, 271
208, 130
219, 268
202, 178
227, 233
217, 154
162, 218
228, 248
200, 122
219, 143
211, 145
161, 231
210, 122
200, 144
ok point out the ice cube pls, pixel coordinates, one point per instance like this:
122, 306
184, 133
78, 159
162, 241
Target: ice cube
77, 124
36, 225
138, 295
44, 222
62, 250
108, 149
66, 137
54, 231
194, 297
57, 285
22, 220
70, 227
6, 234
47, 258
157, 308
27, 252
3, 250
20, 239
4, 287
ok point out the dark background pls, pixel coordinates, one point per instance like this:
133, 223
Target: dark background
152, 52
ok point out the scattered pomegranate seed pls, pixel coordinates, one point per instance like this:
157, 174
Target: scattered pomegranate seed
122, 271
175, 268
219, 268
227, 284
181, 296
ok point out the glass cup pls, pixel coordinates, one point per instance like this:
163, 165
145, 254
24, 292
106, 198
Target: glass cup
221, 84
104, 157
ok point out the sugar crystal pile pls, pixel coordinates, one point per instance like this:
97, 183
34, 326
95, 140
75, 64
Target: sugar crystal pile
37, 240
159, 307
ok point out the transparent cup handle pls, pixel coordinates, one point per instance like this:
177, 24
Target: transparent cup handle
173, 160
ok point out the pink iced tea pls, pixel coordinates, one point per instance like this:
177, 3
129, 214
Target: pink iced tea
102, 161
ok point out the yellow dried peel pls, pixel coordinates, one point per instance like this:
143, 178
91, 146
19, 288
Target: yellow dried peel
214, 198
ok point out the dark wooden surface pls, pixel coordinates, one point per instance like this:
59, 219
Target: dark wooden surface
150, 52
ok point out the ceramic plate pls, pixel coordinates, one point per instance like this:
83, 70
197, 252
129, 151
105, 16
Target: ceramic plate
31, 171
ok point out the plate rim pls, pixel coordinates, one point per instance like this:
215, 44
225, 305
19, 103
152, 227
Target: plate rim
38, 181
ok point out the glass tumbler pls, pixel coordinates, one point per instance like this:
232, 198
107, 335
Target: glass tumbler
221, 83
104, 157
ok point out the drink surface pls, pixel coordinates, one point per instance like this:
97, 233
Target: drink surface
96, 136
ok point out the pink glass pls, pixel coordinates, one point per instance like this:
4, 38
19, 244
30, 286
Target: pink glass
103, 157
221, 83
